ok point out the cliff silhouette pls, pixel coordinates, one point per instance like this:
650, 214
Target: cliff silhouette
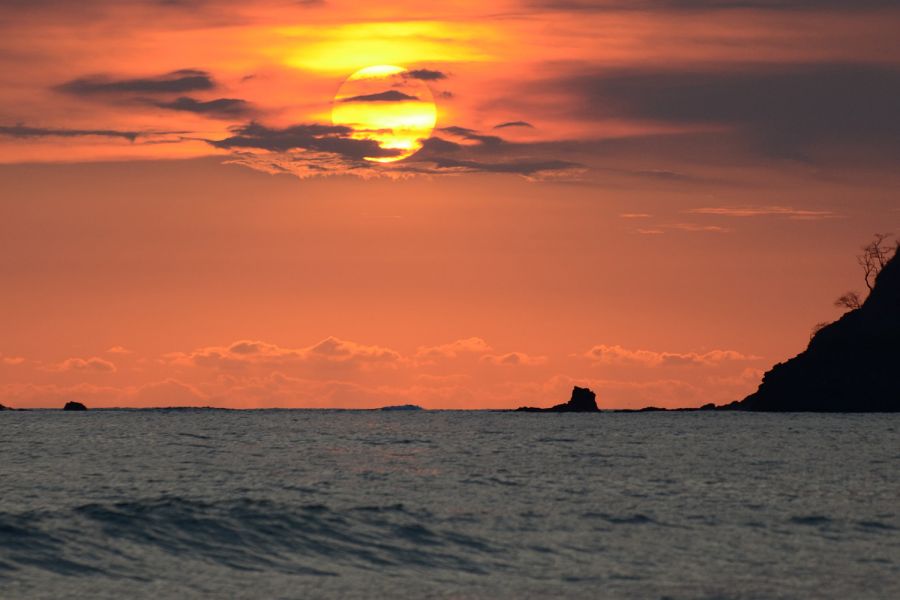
849, 366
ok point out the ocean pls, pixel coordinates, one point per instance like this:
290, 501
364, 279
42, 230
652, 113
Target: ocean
447, 504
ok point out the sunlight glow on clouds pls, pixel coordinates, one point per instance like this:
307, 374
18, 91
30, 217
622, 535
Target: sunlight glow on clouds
337, 372
342, 49
603, 354
94, 363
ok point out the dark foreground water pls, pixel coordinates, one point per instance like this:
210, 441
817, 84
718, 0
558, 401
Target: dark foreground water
310, 504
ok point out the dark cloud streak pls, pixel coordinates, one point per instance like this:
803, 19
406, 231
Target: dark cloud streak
787, 109
426, 74
220, 107
316, 137
514, 124
473, 136
176, 82
21, 131
516, 167
389, 96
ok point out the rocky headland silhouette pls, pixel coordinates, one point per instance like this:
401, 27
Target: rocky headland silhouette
74, 406
849, 366
582, 400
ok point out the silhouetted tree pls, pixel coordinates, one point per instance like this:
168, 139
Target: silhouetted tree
851, 300
875, 255
818, 327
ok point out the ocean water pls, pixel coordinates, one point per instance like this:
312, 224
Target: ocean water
363, 504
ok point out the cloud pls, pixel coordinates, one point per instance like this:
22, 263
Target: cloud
472, 135
764, 211
316, 149
332, 139
220, 107
488, 154
334, 349
426, 74
389, 96
435, 146
693, 6
246, 359
12, 360
617, 355
696, 227
21, 131
93, 364
635, 216
783, 109
517, 167
118, 350
514, 124
176, 82
333, 372
514, 359
256, 348
244, 353
312, 163
162, 14
472, 345
686, 227
657, 174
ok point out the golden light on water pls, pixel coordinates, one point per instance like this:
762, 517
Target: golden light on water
386, 104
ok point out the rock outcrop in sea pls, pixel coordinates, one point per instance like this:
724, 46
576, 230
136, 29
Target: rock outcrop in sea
583, 400
74, 406
4, 407
402, 407
849, 366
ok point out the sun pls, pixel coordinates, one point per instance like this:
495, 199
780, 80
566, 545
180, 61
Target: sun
388, 105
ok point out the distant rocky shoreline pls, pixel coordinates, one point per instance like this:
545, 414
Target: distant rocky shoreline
848, 366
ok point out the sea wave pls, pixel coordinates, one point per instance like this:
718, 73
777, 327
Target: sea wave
244, 534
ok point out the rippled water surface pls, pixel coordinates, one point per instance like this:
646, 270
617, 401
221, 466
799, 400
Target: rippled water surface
310, 504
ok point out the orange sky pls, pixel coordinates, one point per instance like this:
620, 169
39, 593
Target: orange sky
676, 199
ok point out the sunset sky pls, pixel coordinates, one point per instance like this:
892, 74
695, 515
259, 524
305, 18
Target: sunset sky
656, 199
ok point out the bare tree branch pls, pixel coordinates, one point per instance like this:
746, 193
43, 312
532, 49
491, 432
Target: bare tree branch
875, 255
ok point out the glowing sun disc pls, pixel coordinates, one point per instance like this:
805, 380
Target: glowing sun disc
387, 105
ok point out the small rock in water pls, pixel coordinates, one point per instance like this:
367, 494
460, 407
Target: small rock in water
403, 407
74, 406
583, 400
